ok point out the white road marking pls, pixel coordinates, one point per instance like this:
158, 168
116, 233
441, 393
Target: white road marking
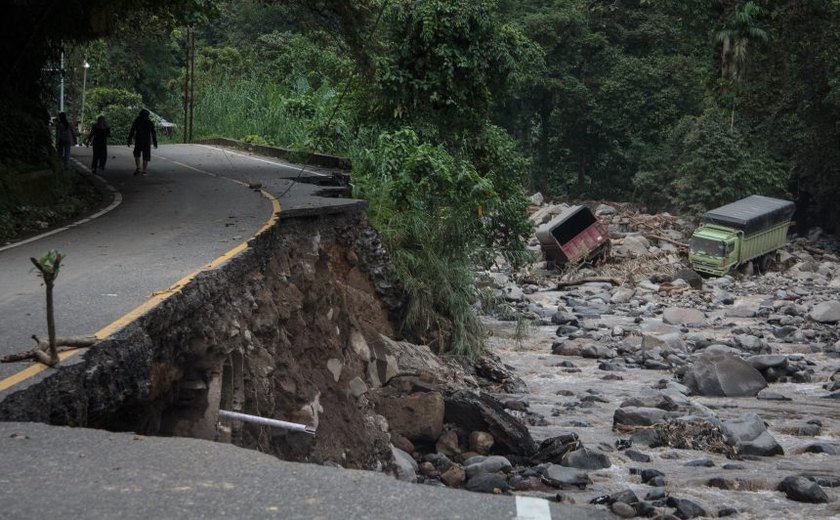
117, 201
531, 508
274, 163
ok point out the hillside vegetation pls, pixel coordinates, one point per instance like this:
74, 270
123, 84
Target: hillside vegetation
451, 110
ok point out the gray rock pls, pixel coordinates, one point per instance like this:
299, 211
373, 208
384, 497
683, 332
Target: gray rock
724, 375
690, 276
826, 312
800, 489
765, 361
487, 483
685, 508
406, 466
700, 463
604, 209
743, 310
623, 509
749, 435
632, 245
488, 465
537, 199
513, 294
585, 458
823, 447
767, 395
680, 316
553, 448
564, 477
481, 412
597, 352
622, 295
637, 456
637, 416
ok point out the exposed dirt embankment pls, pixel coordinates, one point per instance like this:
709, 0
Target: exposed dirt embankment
281, 331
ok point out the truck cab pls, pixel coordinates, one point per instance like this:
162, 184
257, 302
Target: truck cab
714, 249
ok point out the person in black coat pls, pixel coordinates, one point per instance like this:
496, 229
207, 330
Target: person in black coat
98, 137
65, 138
143, 133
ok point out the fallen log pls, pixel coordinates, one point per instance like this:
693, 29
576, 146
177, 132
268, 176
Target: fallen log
39, 352
582, 281
35, 354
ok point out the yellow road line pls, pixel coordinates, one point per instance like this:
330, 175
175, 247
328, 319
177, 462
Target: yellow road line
159, 296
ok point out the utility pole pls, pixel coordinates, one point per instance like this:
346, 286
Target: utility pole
189, 84
61, 84
85, 68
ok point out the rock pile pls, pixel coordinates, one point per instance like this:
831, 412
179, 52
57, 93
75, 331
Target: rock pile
736, 337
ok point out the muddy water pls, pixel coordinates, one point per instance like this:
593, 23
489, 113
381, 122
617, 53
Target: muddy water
756, 497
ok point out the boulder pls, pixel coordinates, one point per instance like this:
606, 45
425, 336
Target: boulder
637, 416
685, 508
406, 467
749, 435
473, 411
563, 477
417, 417
584, 458
826, 312
481, 442
765, 361
680, 316
743, 310
487, 483
553, 448
801, 489
492, 464
716, 373
454, 476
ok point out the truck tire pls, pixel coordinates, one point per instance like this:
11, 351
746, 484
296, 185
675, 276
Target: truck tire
764, 262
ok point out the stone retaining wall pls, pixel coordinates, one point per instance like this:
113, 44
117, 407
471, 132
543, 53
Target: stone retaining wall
278, 331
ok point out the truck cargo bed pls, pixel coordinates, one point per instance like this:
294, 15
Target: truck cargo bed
751, 214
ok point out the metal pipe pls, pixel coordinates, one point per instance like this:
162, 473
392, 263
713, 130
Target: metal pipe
264, 421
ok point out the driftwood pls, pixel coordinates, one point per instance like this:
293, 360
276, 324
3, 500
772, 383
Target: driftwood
39, 353
654, 236
582, 281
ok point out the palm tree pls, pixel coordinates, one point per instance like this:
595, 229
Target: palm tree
734, 40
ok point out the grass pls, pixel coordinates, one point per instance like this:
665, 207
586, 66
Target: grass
271, 114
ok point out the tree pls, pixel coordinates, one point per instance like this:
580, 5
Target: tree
48, 266
734, 55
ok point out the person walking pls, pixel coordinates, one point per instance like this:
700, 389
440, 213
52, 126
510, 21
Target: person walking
98, 137
65, 137
143, 133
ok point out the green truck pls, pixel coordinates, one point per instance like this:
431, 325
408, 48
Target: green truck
734, 234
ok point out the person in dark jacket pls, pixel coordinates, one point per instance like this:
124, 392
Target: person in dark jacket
143, 133
98, 137
65, 137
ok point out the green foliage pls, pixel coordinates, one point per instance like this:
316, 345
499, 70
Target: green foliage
50, 263
290, 57
705, 164
118, 106
426, 205
445, 61
271, 112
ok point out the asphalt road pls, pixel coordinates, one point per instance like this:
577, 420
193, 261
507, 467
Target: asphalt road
191, 209
56, 472
187, 212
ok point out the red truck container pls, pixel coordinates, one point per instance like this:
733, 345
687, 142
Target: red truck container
573, 236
